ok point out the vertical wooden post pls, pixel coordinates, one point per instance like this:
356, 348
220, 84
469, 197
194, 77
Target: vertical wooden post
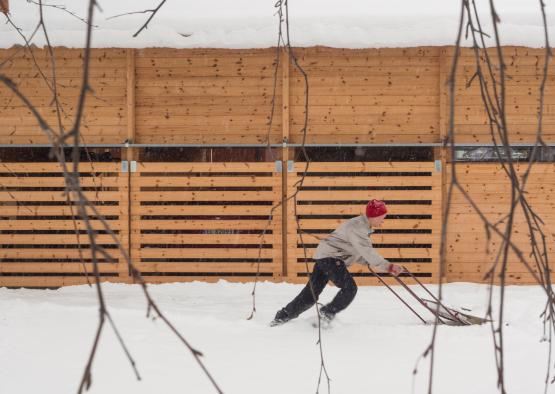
130, 152
284, 158
4, 6
130, 155
440, 153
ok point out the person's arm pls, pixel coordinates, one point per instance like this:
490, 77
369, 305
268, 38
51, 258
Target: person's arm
362, 245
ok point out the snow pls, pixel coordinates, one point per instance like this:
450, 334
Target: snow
373, 346
253, 23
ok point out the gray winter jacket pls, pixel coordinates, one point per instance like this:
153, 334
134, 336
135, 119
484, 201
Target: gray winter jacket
351, 244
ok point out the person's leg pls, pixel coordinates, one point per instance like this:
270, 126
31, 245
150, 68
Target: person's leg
306, 299
343, 279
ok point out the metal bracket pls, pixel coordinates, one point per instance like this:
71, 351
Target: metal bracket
437, 165
128, 166
290, 165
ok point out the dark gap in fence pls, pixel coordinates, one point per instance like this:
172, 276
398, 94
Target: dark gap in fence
248, 274
205, 246
208, 231
353, 188
206, 189
246, 203
205, 260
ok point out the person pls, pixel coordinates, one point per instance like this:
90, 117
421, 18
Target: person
347, 245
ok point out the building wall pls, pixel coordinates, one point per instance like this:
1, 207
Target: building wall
219, 96
105, 116
216, 96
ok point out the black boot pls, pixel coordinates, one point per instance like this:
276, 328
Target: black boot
281, 317
326, 316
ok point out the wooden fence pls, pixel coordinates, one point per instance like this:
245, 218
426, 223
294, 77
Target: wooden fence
469, 254
334, 192
40, 243
187, 221
205, 221
221, 96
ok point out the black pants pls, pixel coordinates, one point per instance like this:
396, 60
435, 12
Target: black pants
324, 271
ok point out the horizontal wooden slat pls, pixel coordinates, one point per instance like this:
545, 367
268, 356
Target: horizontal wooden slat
54, 239
25, 181
196, 181
349, 195
375, 238
50, 281
353, 210
205, 167
387, 252
61, 210
204, 225
152, 136
205, 267
400, 100
58, 267
201, 196
84, 167
207, 210
366, 181
46, 253
179, 111
366, 167
38, 225
357, 268
197, 239
201, 253
406, 224
476, 268
48, 196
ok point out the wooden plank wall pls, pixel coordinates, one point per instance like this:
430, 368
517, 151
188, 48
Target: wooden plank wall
39, 245
334, 192
104, 119
190, 96
385, 95
202, 96
206, 221
524, 74
207, 96
469, 256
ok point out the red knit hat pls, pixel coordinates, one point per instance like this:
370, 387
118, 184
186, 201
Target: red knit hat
375, 208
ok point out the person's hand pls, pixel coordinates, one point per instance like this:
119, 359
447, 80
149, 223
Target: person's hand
395, 269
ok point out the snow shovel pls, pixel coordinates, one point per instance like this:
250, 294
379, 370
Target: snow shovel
445, 315
443, 311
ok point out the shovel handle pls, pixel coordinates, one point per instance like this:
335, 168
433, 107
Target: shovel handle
396, 295
433, 296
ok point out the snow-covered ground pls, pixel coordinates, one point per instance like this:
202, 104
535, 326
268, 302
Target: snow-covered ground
373, 346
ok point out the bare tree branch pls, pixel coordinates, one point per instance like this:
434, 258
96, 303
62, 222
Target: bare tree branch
145, 25
75, 194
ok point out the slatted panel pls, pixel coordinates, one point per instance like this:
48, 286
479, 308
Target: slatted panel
196, 221
207, 96
468, 258
367, 95
524, 73
389, 95
39, 245
104, 118
334, 192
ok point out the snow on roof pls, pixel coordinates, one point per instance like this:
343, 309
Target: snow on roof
254, 23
